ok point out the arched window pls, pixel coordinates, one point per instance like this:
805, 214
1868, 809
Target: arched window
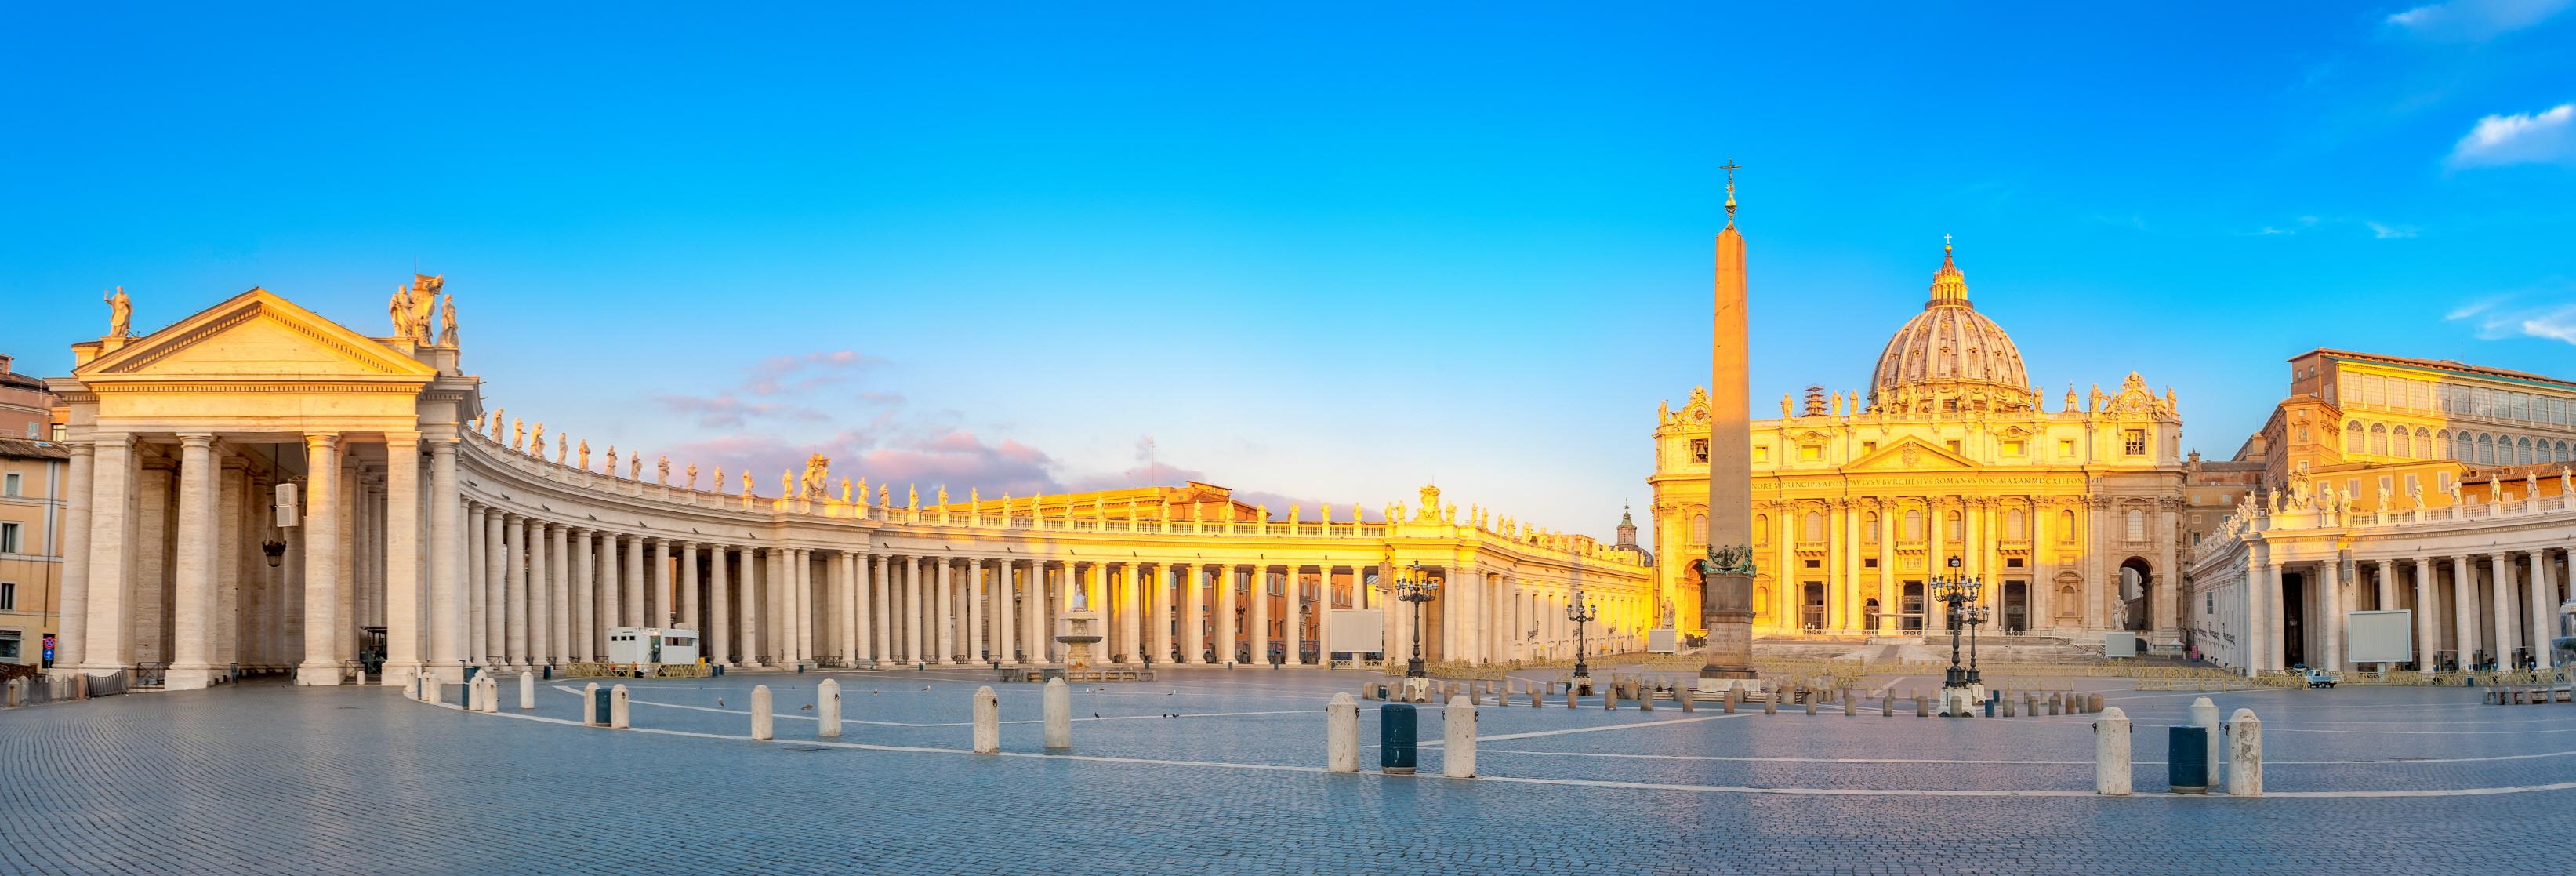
2352, 437
1815, 530
2378, 440
2013, 525
2562, 451
2065, 526
1914, 524
2402, 444
2463, 449
1952, 529
2424, 443
2486, 449
2522, 452
2137, 525
1869, 527
1761, 527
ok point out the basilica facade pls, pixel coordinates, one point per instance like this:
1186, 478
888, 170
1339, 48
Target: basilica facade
259, 489
1950, 464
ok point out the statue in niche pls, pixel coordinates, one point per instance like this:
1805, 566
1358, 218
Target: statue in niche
537, 440
611, 468
447, 321
662, 470
692, 473
518, 434
120, 314
585, 454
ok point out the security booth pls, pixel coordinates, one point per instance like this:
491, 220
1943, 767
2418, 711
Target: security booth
649, 645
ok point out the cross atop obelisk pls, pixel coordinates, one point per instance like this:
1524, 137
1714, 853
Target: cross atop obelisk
1726, 574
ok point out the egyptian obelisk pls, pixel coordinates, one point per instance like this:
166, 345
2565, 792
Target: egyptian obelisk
1726, 574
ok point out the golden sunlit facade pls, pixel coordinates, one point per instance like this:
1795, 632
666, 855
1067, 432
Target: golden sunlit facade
2070, 517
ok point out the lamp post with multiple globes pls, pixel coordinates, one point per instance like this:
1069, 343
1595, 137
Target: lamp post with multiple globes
1416, 586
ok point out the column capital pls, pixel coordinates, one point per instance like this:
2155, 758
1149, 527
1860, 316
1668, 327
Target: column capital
321, 440
197, 439
402, 439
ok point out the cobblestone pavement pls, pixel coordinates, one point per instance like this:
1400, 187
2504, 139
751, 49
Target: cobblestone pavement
274, 779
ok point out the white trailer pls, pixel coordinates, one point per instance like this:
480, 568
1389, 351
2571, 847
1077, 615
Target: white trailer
650, 645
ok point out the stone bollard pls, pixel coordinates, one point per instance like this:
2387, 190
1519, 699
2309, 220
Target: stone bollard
988, 719
2111, 753
1532, 690
2093, 703
589, 705
619, 709
2054, 702
1771, 704
827, 709
1887, 703
1342, 735
1458, 725
1610, 697
2244, 754
1811, 705
1645, 699
2005, 703
1922, 706
1682, 694
491, 701
763, 724
1058, 701
2204, 715
527, 691
1850, 706
1732, 693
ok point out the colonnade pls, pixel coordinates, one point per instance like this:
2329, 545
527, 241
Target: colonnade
2468, 610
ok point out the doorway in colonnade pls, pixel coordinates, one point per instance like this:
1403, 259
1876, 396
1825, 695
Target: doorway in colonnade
2294, 615
1811, 606
2137, 603
2016, 606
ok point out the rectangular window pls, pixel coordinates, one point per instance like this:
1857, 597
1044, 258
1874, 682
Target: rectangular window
2412, 484
2134, 441
9, 485
2012, 562
1811, 452
1815, 564
1869, 563
1868, 447
2066, 448
1760, 454
9, 645
1699, 450
2385, 485
1954, 446
2441, 481
8, 538
8, 596
2012, 448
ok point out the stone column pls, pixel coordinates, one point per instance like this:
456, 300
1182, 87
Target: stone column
1033, 633
610, 611
192, 604
805, 613
2330, 608
1225, 650
719, 605
496, 575
975, 617
747, 607
2464, 609
881, 614
2258, 619
2276, 631
1936, 532
657, 585
1192, 602
1127, 598
632, 607
322, 584
72, 625
912, 610
1890, 601
2544, 609
404, 632
2385, 577
559, 588
2426, 640
2508, 633
234, 559
542, 586
1006, 613
446, 564
943, 615
1295, 634
852, 600
689, 616
513, 544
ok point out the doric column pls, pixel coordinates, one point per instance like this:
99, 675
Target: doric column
1006, 614
495, 582
193, 595
1224, 619
514, 589
632, 607
322, 546
2276, 630
1125, 598
880, 611
1294, 639
806, 616
2384, 580
852, 599
446, 564
689, 616
719, 605
747, 607
975, 614
2426, 640
1034, 632
2508, 635
2330, 607
2464, 610
72, 625
608, 591
559, 625
2544, 608
404, 631
233, 560
912, 652
943, 615
1193, 619
657, 599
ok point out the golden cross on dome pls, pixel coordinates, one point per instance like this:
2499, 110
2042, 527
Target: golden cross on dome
1945, 243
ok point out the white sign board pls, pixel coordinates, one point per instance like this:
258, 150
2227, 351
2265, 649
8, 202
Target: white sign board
1660, 640
1356, 631
2119, 643
2379, 636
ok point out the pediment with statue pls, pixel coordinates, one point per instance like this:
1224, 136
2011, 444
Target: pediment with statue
1911, 454
2134, 400
255, 336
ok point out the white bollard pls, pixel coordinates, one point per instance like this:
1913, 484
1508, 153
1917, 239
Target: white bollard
491, 694
1342, 735
1059, 714
2245, 754
988, 721
618, 710
2204, 715
590, 705
761, 719
1458, 724
527, 691
2111, 753
827, 709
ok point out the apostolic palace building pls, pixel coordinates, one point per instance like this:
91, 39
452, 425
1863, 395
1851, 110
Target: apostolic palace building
256, 488
2071, 518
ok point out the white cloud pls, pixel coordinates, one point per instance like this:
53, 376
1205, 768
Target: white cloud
2389, 232
2556, 322
2472, 20
2545, 137
2556, 325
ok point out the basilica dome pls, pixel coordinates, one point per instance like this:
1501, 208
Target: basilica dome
1949, 358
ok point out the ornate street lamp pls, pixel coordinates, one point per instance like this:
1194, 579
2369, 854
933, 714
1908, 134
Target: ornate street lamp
1580, 613
1416, 586
1958, 590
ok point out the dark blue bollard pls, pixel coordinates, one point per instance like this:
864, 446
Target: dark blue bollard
1395, 738
599, 705
550, 673
719, 669
1990, 703
469, 674
2187, 764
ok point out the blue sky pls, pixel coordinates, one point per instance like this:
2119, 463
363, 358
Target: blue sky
1317, 251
